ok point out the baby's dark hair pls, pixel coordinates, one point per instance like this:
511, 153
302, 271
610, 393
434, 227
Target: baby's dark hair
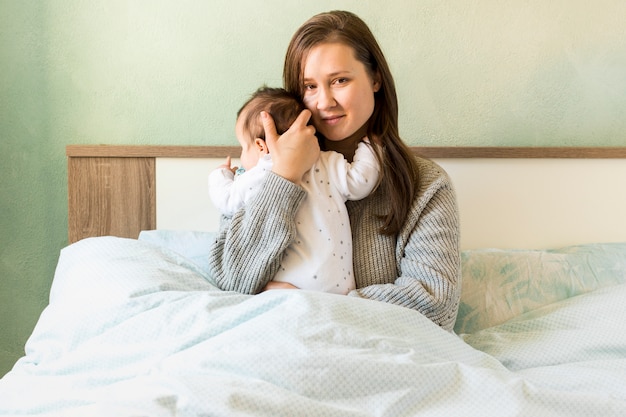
284, 108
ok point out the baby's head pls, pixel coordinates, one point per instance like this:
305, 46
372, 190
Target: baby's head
284, 109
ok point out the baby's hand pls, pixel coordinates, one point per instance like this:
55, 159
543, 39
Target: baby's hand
226, 165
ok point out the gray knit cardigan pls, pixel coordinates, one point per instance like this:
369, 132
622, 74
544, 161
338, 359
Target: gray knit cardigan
418, 268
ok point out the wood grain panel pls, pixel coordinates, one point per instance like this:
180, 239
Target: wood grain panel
564, 152
112, 188
156, 151
110, 196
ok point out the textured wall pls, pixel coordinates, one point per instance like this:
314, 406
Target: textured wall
485, 72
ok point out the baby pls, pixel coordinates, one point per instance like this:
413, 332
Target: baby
320, 258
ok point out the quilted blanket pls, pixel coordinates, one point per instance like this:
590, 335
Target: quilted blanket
135, 329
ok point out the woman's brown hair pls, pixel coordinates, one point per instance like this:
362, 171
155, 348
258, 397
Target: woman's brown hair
399, 170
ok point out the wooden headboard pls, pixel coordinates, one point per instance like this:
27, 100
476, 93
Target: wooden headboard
508, 197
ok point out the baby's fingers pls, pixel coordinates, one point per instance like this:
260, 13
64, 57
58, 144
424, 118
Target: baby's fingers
225, 165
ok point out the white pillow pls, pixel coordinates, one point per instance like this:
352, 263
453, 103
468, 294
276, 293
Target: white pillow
94, 278
192, 245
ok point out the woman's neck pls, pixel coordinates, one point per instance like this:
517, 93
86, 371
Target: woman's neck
346, 147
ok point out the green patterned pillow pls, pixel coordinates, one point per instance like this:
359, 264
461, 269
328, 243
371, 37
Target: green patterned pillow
501, 284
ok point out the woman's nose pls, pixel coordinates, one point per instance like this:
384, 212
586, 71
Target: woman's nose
325, 99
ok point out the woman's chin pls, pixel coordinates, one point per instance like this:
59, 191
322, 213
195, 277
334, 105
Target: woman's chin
333, 135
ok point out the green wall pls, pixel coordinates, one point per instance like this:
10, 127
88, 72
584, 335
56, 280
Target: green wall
483, 72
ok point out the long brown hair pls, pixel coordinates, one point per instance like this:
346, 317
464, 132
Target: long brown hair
399, 171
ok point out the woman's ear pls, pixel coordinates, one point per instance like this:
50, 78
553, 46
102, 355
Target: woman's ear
376, 82
261, 145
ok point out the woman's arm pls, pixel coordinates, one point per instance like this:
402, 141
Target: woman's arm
249, 246
425, 257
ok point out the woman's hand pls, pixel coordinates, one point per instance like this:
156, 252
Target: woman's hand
295, 151
275, 285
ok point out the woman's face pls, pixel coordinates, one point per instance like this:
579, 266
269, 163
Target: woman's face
338, 91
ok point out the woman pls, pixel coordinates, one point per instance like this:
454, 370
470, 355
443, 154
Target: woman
405, 234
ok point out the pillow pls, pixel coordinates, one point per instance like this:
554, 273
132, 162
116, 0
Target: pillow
99, 282
106, 269
498, 285
193, 245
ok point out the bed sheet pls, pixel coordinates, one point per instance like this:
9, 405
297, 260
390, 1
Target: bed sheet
136, 329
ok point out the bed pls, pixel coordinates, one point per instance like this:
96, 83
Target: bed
136, 327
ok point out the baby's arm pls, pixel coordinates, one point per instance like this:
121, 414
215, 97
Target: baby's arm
226, 193
221, 181
358, 179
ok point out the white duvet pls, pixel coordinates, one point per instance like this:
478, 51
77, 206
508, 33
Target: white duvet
133, 329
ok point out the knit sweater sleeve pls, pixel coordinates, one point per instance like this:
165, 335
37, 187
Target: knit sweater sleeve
249, 245
427, 256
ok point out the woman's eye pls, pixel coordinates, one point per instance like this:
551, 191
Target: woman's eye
309, 87
341, 80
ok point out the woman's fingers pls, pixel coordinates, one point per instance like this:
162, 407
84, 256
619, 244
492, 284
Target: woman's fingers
295, 151
271, 136
302, 120
275, 285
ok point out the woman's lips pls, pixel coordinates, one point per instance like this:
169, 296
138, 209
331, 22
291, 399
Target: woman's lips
332, 120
